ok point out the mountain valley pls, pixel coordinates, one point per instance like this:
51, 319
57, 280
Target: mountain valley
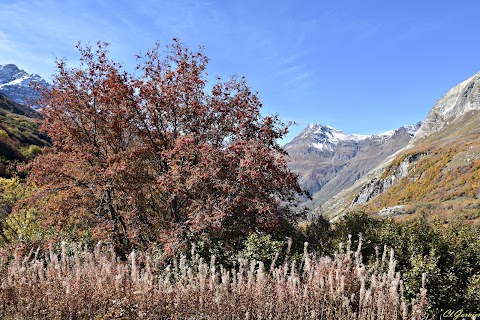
329, 161
438, 170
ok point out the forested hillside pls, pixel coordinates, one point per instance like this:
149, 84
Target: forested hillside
20, 139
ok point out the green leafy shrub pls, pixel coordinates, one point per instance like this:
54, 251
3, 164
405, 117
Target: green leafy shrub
31, 151
355, 224
261, 247
473, 292
317, 232
446, 251
17, 219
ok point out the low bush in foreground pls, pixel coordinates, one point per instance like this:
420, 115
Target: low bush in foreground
91, 284
447, 251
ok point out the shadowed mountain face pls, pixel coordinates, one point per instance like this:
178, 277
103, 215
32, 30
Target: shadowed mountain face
18, 85
20, 138
328, 161
6, 104
437, 172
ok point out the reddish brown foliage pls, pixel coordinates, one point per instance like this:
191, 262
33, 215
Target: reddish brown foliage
155, 157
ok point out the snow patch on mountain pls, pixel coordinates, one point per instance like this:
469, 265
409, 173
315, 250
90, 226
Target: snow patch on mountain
21, 81
326, 138
18, 84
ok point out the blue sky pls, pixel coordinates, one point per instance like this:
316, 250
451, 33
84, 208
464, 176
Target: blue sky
360, 66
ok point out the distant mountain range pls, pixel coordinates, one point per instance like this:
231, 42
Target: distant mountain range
432, 168
18, 84
328, 160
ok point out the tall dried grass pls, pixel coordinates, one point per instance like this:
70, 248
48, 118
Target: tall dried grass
84, 284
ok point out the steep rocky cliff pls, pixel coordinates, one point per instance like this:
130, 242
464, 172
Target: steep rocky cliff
378, 185
458, 101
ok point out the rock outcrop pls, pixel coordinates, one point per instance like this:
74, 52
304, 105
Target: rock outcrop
458, 101
378, 185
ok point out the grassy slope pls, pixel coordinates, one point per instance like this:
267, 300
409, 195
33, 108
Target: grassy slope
446, 180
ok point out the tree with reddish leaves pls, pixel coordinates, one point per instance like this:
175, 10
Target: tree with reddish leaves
154, 156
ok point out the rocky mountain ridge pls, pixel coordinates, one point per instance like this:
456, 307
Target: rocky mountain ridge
327, 160
327, 138
18, 85
455, 103
437, 171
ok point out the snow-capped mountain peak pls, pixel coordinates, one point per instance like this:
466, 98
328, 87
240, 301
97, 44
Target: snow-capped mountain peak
328, 160
324, 137
16, 84
334, 134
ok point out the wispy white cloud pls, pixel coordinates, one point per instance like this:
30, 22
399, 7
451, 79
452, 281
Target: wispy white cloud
18, 52
35, 34
413, 30
44, 30
295, 76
